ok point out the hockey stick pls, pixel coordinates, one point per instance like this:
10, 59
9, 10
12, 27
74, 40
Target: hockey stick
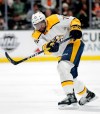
20, 61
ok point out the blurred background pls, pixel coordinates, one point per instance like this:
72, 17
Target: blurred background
16, 14
16, 28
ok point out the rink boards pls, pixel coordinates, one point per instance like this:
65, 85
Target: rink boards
20, 44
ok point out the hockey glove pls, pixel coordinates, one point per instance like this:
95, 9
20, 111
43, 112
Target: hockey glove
54, 46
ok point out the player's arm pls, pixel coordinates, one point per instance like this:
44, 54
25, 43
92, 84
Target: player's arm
48, 47
75, 29
37, 36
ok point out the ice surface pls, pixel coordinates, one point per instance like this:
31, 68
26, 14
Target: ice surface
34, 88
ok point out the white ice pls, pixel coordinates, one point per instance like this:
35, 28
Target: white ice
34, 88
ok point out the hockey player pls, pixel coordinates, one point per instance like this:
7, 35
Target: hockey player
70, 52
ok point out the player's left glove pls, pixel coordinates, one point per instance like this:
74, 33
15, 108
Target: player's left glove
53, 46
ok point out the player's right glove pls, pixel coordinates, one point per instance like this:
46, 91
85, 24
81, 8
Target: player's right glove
50, 47
53, 46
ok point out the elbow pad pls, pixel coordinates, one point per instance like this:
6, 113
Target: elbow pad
75, 29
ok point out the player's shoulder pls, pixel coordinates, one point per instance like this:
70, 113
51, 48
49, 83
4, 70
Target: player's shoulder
52, 20
36, 34
75, 21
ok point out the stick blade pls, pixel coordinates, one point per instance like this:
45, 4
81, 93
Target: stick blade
9, 58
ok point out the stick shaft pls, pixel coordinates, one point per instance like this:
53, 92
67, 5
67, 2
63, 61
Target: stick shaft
20, 61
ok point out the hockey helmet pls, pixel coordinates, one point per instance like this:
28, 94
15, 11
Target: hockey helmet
37, 18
